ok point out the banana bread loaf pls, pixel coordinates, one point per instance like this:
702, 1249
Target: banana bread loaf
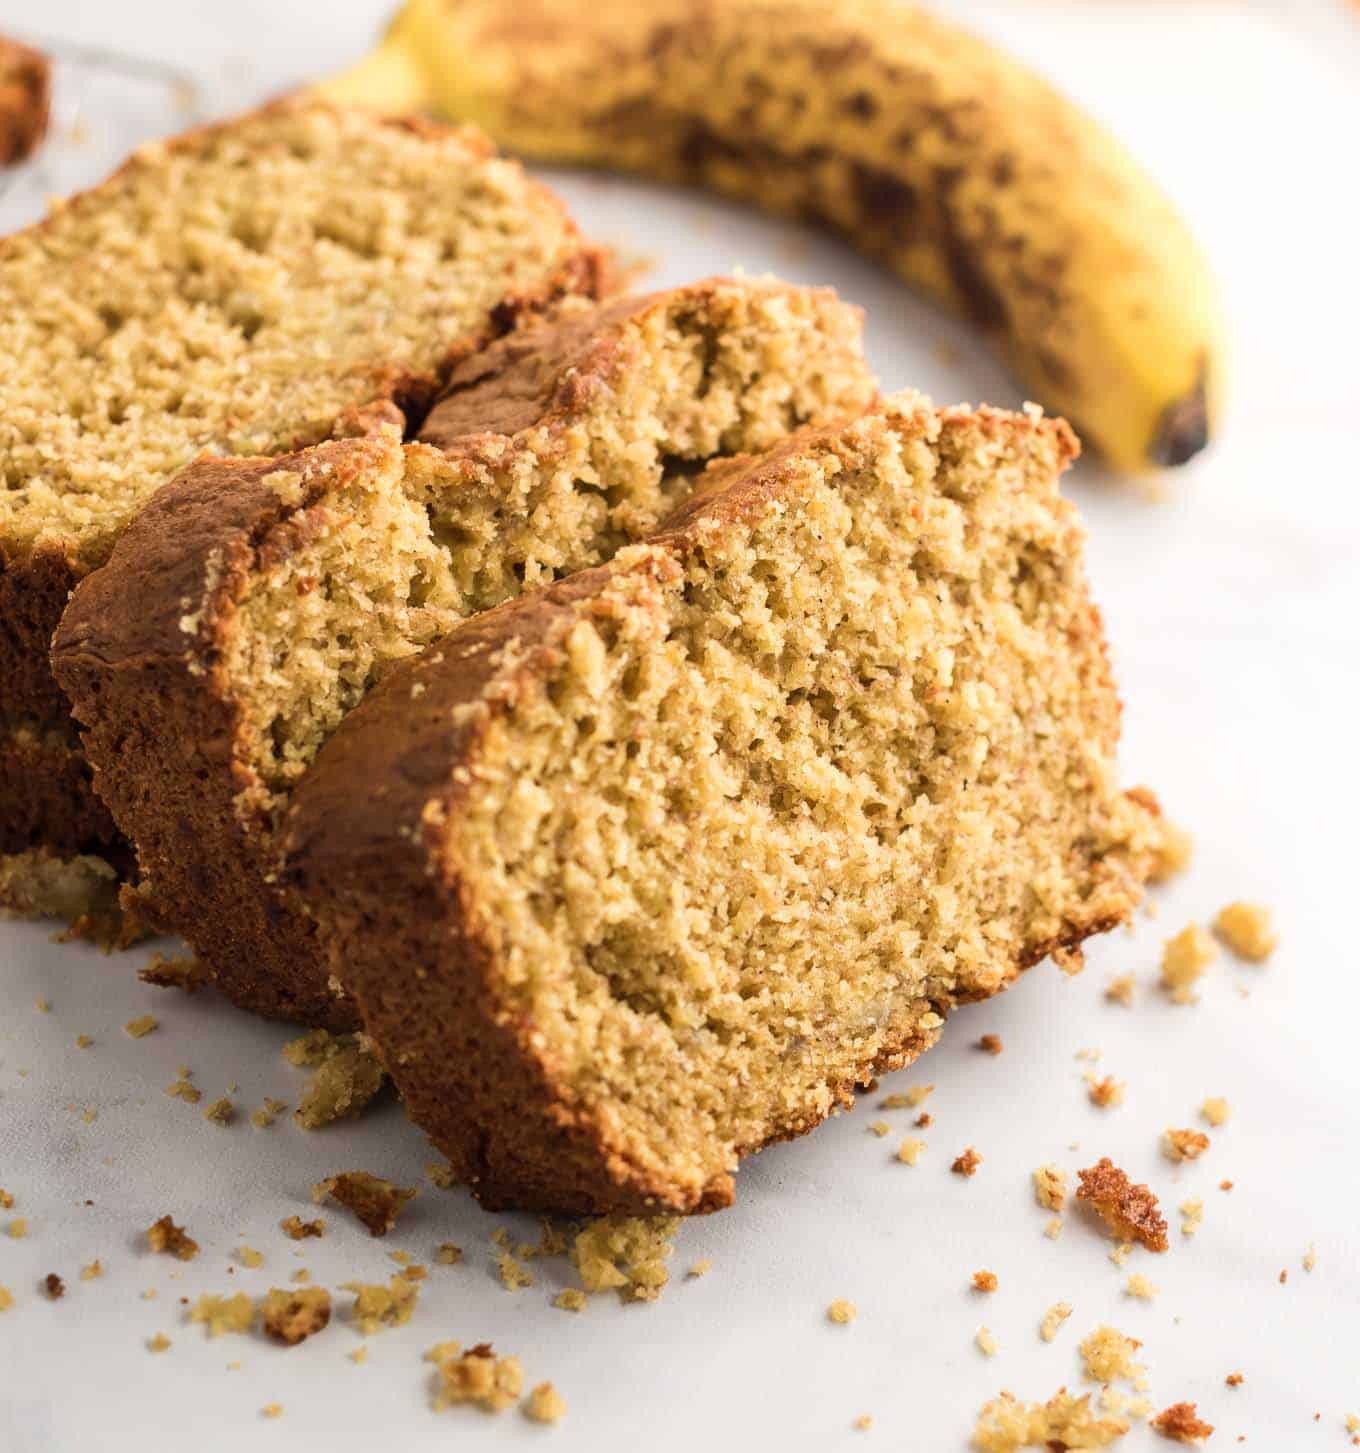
244, 289
254, 602
644, 870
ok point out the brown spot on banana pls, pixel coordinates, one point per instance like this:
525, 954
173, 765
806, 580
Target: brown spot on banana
928, 148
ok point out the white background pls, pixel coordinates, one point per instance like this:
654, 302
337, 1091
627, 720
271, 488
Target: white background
1232, 607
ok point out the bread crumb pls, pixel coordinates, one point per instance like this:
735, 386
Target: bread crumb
1054, 1228
879, 1128
268, 1113
1309, 1258
1184, 1144
545, 1404
966, 1162
296, 1229
220, 1112
1225, 1185
440, 1174
234, 1314
1246, 929
83, 1041
1172, 854
185, 973
301, 1275
310, 1049
1179, 1424
183, 1090
1139, 1286
1005, 1424
1233, 1379
359, 1355
1192, 1215
158, 1343
911, 1099
572, 1299
1284, 1276
250, 1257
377, 1306
54, 1287
841, 1312
447, 1254
376, 1202
1107, 1092
346, 1080
863, 1423
986, 1342
164, 1236
1050, 1187
93, 1271
140, 1027
1053, 1319
990, 1044
1120, 989
702, 1267
513, 1274
1184, 960
291, 1316
6, 1201
1071, 960
628, 1253
43, 1006
911, 1151
922, 1120
1215, 1110
272, 1410
479, 1376
6, 1299
985, 1281
1130, 1211
1121, 1253
1108, 1356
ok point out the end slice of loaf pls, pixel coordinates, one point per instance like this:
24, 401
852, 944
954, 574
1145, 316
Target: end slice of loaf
647, 869
244, 289
255, 602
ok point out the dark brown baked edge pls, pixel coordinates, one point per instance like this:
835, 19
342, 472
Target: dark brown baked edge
47, 798
25, 100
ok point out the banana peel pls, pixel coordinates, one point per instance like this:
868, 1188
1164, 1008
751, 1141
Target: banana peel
928, 148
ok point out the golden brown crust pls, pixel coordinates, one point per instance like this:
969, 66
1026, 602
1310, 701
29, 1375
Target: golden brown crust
25, 100
1129, 1210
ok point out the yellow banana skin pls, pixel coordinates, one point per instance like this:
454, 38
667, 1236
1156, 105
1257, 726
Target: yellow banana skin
925, 146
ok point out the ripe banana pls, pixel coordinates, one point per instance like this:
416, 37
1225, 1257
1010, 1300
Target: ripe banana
925, 146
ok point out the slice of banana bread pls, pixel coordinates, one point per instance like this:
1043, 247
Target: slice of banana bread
247, 288
649, 868
254, 602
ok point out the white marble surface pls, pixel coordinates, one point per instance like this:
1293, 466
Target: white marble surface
1232, 608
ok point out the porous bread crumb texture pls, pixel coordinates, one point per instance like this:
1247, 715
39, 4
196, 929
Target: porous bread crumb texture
1050, 1187
984, 1281
293, 1314
82, 889
375, 1201
966, 1162
1053, 1319
1006, 1425
911, 1150
348, 1075
1247, 930
221, 1315
625, 1253
1129, 1210
986, 1343
141, 1026
479, 1377
1105, 1093
378, 1305
841, 1312
221, 1111
219, 293
183, 972
164, 1236
1175, 848
878, 685
545, 1404
1184, 1144
1140, 1287
1108, 1356
1180, 1423
1216, 1110
1192, 1217
1184, 960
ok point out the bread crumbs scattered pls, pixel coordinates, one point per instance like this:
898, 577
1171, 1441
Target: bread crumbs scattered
1050, 1187
1108, 1356
53, 1286
268, 1113
6, 1201
220, 1112
513, 1274
879, 1128
376, 1202
1139, 1286
1121, 1253
1247, 931
990, 1044
224, 1314
301, 1275
1179, 1424
1173, 852
83, 1041
140, 1027
985, 1281
1006, 1425
1184, 1144
165, 1236
1284, 1277
479, 1376
184, 973
447, 1254
911, 1151
6, 1299
841, 1312
183, 1090
296, 1229
291, 1316
1309, 1258
377, 1306
43, 1006
986, 1342
863, 1423
966, 1162
1234, 1379
1130, 1211
1120, 989
922, 1120
250, 1257
1071, 961
359, 1354
1053, 1319
626, 1252
272, 1410
573, 1299
911, 1099
92, 1272
1107, 1092
440, 1174
158, 1343
1192, 1215
1184, 960
700, 1268
1054, 1228
347, 1078
545, 1404
1215, 1110
310, 1049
